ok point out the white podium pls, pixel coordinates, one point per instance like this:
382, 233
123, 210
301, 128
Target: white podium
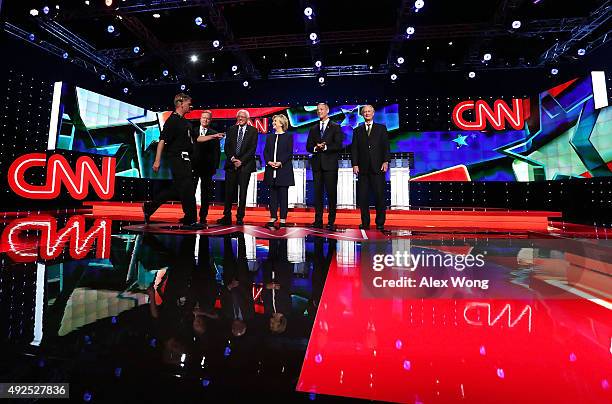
347, 185
399, 175
297, 193
251, 199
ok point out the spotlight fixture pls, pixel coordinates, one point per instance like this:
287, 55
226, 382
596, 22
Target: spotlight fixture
183, 87
554, 71
216, 43
393, 76
193, 58
516, 24
108, 2
308, 12
313, 36
410, 30
198, 21
234, 68
86, 2
486, 57
125, 90
318, 64
450, 43
110, 29
31, 37
245, 83
136, 49
33, 12
581, 52
419, 4
471, 75
400, 60
321, 80
65, 55
165, 72
156, 15
45, 10
103, 77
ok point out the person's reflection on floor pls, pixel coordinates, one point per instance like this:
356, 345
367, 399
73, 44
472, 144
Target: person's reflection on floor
237, 303
277, 273
203, 289
320, 267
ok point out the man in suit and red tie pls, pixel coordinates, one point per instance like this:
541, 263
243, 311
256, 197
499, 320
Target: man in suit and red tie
370, 157
325, 143
240, 146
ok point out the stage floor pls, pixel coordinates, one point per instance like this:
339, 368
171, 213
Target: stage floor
128, 312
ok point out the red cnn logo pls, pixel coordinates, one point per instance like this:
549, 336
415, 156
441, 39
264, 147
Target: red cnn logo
52, 240
497, 117
58, 172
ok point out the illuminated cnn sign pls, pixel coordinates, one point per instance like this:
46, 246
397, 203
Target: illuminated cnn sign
60, 172
498, 116
22, 248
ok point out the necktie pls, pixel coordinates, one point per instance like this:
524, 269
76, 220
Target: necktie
368, 127
240, 137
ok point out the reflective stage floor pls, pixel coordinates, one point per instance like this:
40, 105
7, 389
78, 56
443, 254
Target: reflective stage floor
133, 313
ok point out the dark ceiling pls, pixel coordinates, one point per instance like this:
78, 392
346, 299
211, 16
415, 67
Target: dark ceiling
269, 38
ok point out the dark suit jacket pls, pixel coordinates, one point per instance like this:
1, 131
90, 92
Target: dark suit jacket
206, 156
247, 150
370, 152
284, 154
325, 160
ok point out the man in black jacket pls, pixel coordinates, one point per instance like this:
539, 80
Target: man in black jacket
206, 156
324, 142
240, 147
370, 158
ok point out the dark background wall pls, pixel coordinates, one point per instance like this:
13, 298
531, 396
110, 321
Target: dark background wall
30, 75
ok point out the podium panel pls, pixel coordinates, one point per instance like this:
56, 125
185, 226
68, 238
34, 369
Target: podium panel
399, 175
297, 193
347, 184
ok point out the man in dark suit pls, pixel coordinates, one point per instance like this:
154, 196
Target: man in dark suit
324, 142
240, 147
370, 158
206, 156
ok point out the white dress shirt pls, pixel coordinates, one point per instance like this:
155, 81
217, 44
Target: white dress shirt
325, 123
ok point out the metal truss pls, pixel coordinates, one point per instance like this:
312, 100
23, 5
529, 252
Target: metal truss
596, 19
400, 31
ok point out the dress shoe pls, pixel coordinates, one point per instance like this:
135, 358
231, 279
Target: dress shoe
282, 224
240, 222
331, 227
192, 226
380, 228
203, 221
146, 210
270, 225
363, 227
317, 225
226, 221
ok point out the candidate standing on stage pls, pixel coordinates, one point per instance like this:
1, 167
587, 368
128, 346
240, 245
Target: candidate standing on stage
176, 141
370, 158
325, 142
278, 155
240, 146
206, 156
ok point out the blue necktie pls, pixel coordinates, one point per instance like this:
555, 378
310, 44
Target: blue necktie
239, 142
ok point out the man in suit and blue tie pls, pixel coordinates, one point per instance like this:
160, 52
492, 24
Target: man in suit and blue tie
325, 143
370, 158
240, 146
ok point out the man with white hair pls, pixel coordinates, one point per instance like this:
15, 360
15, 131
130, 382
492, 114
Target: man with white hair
240, 146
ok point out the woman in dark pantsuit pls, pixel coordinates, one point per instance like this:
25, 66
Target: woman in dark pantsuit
278, 155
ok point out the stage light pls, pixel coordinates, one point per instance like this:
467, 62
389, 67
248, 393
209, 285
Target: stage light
45, 10
410, 30
367, 51
371, 67
554, 71
400, 60
125, 90
581, 52
57, 6
198, 21
110, 29
451, 43
216, 43
108, 2
313, 36
487, 57
31, 37
393, 76
103, 77
471, 75
308, 12
136, 49
516, 24
86, 2
318, 63
193, 58
183, 87
321, 80
33, 12
156, 15
165, 72
245, 83
65, 55
418, 4
234, 68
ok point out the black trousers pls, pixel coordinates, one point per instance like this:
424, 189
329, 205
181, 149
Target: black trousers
279, 195
329, 180
376, 183
233, 180
182, 188
206, 188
